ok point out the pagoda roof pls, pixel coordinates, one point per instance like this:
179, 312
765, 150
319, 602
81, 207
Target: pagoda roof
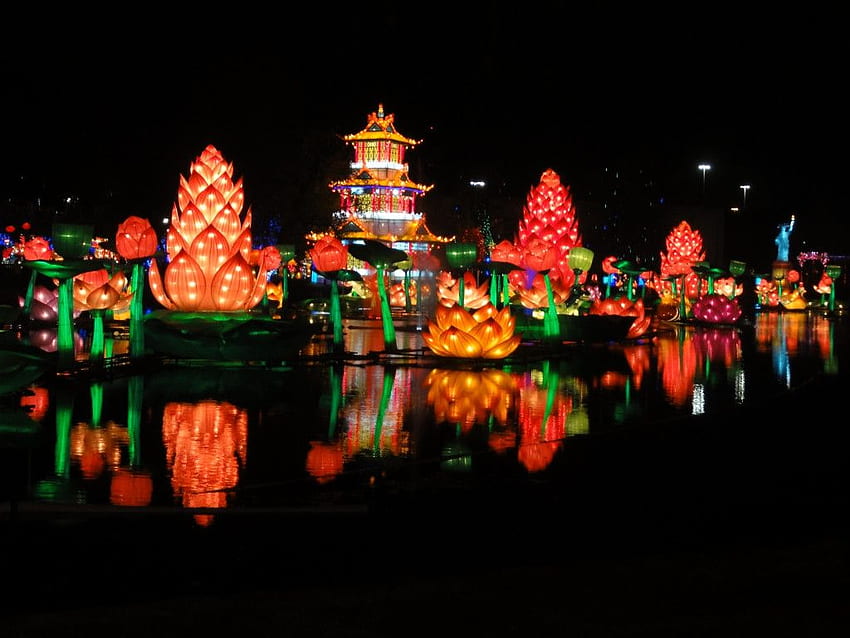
380, 127
364, 178
413, 231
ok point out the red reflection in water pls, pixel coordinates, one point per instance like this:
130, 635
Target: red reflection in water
324, 461
36, 401
542, 418
205, 444
718, 345
131, 488
677, 361
94, 449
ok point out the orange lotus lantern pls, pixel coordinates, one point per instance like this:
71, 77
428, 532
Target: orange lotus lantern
486, 333
208, 245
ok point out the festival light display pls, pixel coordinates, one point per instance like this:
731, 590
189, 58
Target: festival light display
716, 308
486, 333
208, 244
329, 257
549, 216
136, 241
684, 251
624, 307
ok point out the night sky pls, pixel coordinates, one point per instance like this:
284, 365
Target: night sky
114, 114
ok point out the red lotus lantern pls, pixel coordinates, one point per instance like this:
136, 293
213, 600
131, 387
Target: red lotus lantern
329, 254
136, 238
37, 248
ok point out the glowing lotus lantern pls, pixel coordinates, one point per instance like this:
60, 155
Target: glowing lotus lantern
684, 250
505, 257
330, 256
716, 308
486, 333
208, 245
549, 215
540, 256
449, 289
96, 292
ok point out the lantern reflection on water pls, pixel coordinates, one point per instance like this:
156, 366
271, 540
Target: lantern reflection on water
470, 397
206, 443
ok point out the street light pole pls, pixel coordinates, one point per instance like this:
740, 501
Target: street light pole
704, 168
745, 188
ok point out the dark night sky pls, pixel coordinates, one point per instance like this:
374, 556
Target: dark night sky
502, 95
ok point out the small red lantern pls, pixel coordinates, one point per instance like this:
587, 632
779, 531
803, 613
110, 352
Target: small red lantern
135, 238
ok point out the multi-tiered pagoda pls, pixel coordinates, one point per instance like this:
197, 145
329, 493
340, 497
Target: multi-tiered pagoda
378, 200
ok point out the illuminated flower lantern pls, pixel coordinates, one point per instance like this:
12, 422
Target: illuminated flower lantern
729, 287
96, 292
684, 250
136, 241
208, 245
767, 293
549, 216
505, 258
71, 243
37, 248
449, 288
624, 307
539, 257
716, 308
485, 333
44, 306
330, 256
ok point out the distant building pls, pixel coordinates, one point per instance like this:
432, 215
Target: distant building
378, 200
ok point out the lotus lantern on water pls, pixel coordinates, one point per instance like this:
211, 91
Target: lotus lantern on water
486, 333
208, 244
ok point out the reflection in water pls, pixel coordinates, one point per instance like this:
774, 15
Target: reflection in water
470, 397
389, 417
205, 444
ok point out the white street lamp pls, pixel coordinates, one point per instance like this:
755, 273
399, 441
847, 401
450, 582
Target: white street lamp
745, 188
704, 168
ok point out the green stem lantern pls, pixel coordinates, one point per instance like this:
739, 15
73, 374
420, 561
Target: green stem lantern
551, 324
833, 271
460, 256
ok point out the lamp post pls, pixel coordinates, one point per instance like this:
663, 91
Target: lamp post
704, 168
745, 188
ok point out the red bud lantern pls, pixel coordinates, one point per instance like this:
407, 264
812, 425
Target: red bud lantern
136, 238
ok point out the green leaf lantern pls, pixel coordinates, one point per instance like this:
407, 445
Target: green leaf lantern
381, 257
